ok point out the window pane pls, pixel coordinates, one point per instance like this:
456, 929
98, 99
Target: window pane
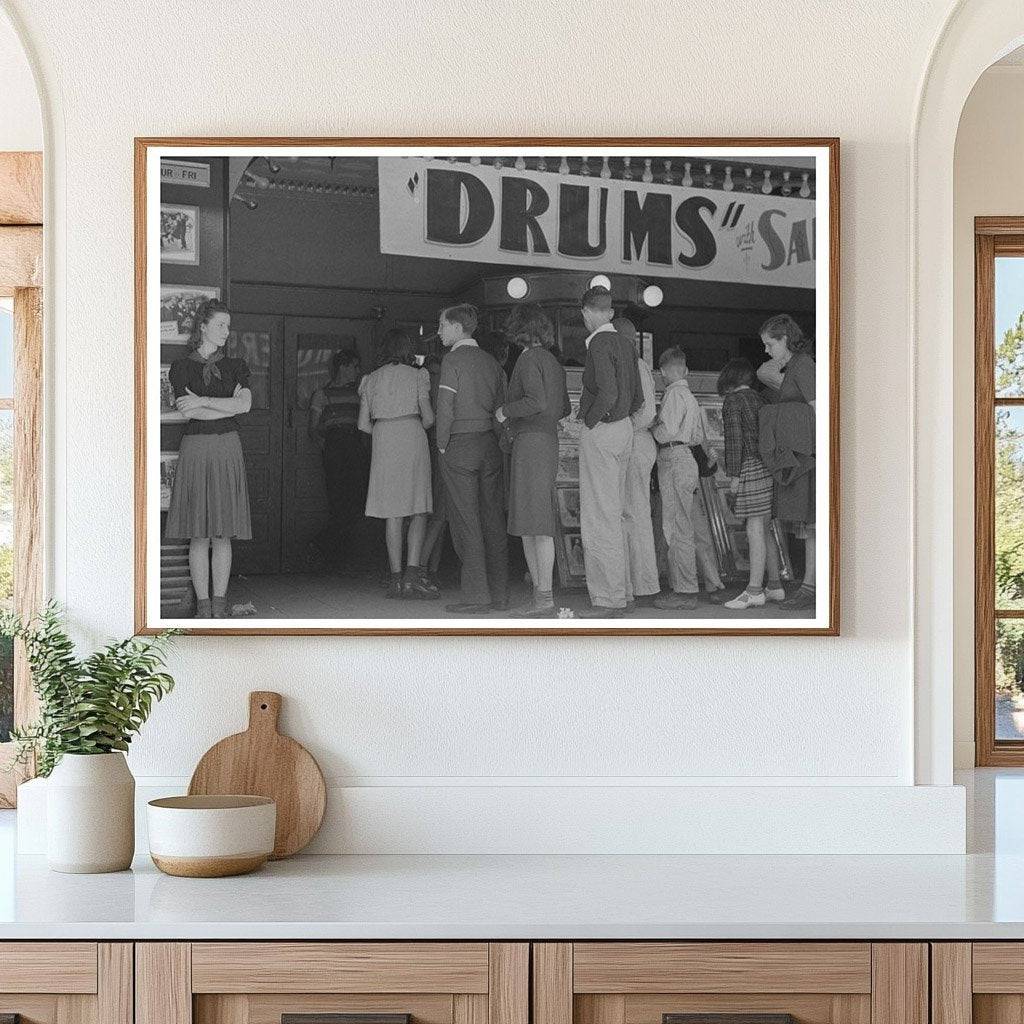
1009, 322
254, 348
1009, 679
6, 567
572, 335
1009, 495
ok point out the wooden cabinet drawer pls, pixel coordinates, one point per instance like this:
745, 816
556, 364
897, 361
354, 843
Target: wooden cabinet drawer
259, 982
66, 982
721, 967
814, 982
340, 967
48, 967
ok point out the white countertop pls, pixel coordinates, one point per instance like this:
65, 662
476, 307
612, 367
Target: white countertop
531, 897
977, 896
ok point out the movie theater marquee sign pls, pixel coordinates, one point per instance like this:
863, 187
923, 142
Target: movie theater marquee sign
503, 215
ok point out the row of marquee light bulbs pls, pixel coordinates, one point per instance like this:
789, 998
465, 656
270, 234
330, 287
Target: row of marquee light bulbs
518, 288
786, 187
747, 184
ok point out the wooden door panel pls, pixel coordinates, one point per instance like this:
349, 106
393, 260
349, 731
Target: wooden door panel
469, 1008
268, 1009
257, 339
807, 1008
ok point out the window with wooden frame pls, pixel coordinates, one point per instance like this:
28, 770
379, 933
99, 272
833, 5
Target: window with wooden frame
999, 490
21, 367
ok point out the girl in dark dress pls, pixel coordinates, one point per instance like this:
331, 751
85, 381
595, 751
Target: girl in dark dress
789, 350
537, 400
210, 499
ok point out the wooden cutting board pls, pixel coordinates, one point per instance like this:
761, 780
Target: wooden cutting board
262, 762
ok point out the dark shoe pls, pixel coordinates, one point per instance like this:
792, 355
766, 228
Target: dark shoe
541, 611
416, 587
204, 609
631, 606
802, 600
676, 602
219, 608
599, 611
646, 600
394, 586
468, 609
716, 596
501, 606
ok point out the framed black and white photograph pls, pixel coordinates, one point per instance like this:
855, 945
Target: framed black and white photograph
178, 305
541, 387
179, 234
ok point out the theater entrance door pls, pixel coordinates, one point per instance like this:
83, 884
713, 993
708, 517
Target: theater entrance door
309, 345
256, 338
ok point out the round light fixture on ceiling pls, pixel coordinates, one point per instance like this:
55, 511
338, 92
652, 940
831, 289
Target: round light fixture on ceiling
601, 281
653, 295
517, 288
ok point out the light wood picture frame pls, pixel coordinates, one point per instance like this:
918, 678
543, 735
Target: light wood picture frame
744, 199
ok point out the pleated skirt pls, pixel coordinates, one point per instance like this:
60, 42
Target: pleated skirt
210, 497
754, 497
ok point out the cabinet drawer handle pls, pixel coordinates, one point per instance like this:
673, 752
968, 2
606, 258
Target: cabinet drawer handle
728, 1018
339, 1018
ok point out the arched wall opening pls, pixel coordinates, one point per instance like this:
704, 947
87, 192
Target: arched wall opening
976, 35
987, 183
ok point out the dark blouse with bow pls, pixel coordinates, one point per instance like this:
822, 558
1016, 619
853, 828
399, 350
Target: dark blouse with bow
209, 380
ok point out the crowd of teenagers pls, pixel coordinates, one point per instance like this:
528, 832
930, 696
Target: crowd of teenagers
460, 445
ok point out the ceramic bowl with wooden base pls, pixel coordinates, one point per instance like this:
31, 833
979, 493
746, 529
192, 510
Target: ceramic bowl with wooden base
211, 836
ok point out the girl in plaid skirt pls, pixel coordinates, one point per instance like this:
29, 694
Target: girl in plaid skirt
751, 482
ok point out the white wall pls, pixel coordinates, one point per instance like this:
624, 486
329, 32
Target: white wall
988, 181
21, 124
441, 714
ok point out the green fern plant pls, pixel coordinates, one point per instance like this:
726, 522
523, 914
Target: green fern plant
91, 705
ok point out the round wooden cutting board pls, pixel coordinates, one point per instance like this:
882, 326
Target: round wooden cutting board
262, 762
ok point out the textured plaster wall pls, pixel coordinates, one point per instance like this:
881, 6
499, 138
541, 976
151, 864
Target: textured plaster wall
735, 711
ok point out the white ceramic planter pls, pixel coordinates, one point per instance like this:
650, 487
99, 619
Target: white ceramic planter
90, 814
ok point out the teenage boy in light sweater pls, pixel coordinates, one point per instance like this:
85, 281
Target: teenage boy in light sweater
611, 393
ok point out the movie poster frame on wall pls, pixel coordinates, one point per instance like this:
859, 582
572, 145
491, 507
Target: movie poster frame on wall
148, 378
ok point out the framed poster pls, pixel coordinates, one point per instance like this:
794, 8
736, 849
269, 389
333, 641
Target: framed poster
177, 305
715, 262
179, 234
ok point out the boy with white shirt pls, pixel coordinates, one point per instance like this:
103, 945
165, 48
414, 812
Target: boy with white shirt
678, 426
